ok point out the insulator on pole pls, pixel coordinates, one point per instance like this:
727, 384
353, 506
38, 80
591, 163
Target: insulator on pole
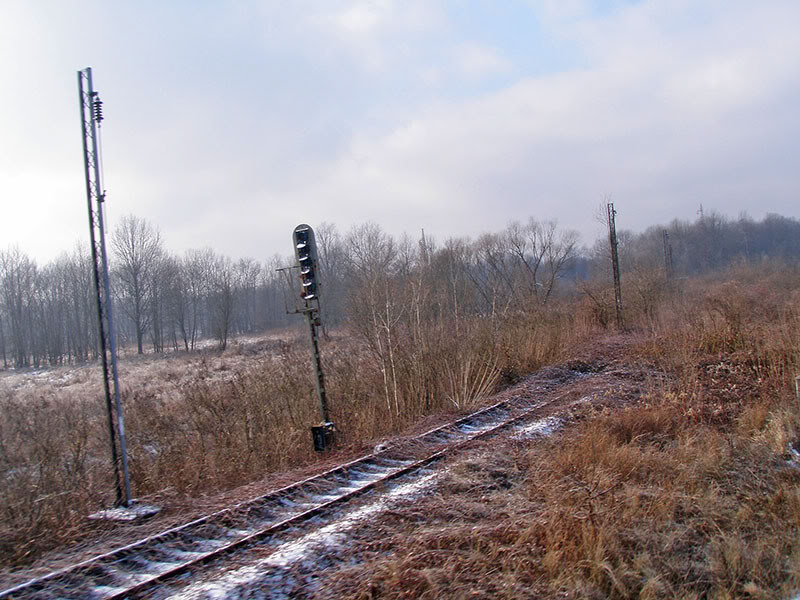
97, 105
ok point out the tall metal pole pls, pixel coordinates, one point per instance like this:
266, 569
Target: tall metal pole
612, 238
91, 115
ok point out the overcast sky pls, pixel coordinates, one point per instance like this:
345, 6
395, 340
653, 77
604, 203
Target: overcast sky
228, 123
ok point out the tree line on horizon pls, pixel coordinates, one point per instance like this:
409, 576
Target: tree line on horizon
169, 302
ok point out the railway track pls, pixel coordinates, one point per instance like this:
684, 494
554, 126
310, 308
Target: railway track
157, 562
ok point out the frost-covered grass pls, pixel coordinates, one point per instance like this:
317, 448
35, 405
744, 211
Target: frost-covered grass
171, 368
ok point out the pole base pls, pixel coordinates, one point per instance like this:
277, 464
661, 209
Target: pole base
323, 436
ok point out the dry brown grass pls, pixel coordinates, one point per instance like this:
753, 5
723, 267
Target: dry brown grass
646, 506
687, 493
207, 423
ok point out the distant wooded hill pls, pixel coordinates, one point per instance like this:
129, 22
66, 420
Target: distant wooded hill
710, 243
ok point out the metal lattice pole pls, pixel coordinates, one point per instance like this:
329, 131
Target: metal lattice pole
91, 115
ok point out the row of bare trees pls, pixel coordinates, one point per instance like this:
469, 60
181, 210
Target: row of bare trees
173, 301
161, 300
176, 300
166, 301
413, 302
46, 314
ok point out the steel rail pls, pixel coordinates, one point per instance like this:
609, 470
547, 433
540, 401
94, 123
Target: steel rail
106, 560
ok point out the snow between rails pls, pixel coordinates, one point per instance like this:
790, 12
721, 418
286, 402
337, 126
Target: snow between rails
269, 577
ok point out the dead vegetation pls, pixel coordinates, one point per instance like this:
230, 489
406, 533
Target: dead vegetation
688, 491
204, 425
692, 491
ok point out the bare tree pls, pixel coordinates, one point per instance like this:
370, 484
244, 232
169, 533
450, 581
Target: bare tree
274, 293
371, 256
197, 267
542, 252
17, 280
137, 251
3, 342
247, 273
451, 265
82, 316
221, 299
370, 252
331, 255
172, 304
491, 272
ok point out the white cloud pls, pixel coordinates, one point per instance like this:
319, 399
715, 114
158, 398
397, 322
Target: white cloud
378, 35
478, 60
660, 126
560, 11
226, 127
363, 17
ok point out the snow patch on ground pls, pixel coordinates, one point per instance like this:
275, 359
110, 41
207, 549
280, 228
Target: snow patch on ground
134, 512
270, 571
582, 400
540, 428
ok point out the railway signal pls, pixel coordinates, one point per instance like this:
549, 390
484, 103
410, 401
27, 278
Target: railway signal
305, 250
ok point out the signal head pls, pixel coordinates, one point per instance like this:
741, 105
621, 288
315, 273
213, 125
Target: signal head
305, 251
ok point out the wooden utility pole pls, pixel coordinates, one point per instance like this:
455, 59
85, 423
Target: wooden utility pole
668, 268
612, 238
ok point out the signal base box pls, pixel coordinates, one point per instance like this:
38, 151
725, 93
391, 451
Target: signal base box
323, 436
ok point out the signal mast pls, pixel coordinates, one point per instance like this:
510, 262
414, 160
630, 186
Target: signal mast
91, 116
305, 250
